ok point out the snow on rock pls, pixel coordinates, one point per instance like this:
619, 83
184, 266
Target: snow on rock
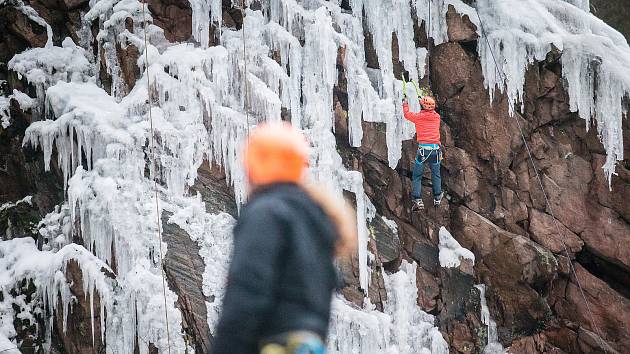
43, 67
213, 233
20, 259
493, 346
28, 200
119, 215
33, 16
25, 101
56, 228
451, 252
402, 328
5, 114
594, 60
6, 346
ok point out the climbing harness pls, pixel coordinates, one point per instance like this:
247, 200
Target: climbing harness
437, 151
297, 342
547, 203
155, 185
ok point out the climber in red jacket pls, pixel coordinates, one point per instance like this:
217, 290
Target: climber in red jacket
427, 123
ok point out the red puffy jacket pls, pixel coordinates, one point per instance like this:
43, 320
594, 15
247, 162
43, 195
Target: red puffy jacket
427, 124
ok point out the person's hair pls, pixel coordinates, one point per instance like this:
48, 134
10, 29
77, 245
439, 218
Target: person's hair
342, 216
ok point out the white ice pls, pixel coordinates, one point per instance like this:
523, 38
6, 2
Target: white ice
451, 252
402, 328
594, 61
493, 346
204, 101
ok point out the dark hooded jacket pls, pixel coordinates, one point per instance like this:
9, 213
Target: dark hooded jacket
282, 274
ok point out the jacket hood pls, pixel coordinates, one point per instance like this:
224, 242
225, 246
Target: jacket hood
342, 215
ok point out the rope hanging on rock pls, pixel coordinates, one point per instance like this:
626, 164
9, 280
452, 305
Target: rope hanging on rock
430, 91
547, 203
154, 165
245, 81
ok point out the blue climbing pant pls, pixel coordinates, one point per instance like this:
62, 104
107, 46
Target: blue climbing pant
434, 159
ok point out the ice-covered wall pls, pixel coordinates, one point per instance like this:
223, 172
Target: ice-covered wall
402, 327
594, 60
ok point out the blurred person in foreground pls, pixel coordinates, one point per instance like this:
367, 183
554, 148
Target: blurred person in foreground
282, 276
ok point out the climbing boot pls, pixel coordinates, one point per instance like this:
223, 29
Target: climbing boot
418, 204
438, 200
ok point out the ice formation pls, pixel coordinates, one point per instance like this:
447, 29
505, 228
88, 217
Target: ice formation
402, 328
27, 200
5, 114
594, 60
451, 252
213, 234
44, 67
203, 102
582, 4
24, 101
20, 259
493, 346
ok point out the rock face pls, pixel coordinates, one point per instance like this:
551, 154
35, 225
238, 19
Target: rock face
184, 269
494, 206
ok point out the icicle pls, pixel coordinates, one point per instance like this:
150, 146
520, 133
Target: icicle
402, 328
593, 60
493, 346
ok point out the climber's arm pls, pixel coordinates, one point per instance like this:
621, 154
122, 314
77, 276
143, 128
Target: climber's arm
410, 116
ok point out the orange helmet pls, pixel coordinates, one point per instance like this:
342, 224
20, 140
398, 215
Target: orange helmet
427, 101
275, 153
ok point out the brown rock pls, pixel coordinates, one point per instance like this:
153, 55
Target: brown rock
128, 58
184, 270
511, 266
617, 198
387, 242
610, 310
15, 23
605, 234
373, 138
460, 28
77, 337
462, 339
174, 16
73, 4
552, 234
428, 290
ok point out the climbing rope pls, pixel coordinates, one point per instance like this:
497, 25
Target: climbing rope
155, 185
429, 49
547, 203
245, 81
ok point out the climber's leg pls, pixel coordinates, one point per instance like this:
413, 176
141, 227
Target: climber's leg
418, 169
435, 163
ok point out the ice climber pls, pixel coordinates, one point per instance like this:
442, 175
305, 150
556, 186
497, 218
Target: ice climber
427, 123
282, 277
